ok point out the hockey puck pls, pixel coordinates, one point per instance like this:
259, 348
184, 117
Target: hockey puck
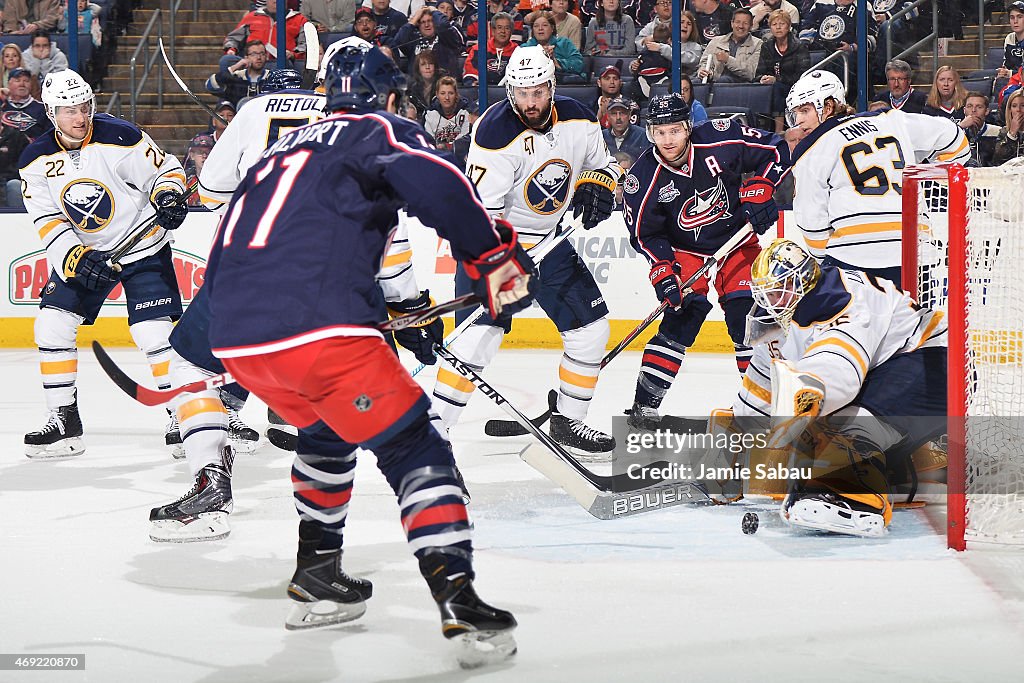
750, 522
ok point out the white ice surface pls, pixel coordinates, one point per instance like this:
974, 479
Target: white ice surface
678, 595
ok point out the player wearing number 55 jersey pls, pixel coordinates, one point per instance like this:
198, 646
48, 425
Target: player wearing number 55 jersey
848, 168
89, 184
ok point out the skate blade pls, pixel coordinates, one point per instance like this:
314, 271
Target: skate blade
306, 615
590, 456
243, 446
66, 448
820, 516
208, 526
475, 649
280, 438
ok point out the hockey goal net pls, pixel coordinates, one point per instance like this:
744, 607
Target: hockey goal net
963, 243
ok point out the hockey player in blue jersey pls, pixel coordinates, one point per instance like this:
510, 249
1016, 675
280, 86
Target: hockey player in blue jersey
294, 302
683, 200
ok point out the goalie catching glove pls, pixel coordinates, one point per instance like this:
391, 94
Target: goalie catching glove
757, 200
89, 267
419, 338
594, 197
504, 276
170, 208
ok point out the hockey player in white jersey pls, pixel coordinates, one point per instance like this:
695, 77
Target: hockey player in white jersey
856, 385
89, 185
533, 157
848, 172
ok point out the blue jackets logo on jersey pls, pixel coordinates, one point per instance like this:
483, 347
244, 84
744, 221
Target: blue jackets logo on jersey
19, 120
705, 207
548, 188
668, 193
88, 204
832, 27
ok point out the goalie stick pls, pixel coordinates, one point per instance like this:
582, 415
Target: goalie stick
537, 253
140, 233
504, 428
605, 497
156, 397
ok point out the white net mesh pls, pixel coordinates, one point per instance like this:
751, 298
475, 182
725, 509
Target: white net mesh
994, 315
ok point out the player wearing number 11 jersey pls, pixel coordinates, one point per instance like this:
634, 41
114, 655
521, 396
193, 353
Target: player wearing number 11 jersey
848, 172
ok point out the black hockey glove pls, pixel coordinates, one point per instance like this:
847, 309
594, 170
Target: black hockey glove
170, 209
594, 197
504, 277
667, 283
89, 267
758, 204
419, 339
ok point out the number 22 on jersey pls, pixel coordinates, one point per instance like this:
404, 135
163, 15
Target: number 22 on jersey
290, 167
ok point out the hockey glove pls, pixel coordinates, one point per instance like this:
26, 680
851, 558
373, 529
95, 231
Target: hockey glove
758, 204
419, 339
89, 267
170, 209
667, 283
503, 277
594, 197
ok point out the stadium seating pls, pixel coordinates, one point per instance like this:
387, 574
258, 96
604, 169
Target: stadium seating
994, 57
58, 39
982, 85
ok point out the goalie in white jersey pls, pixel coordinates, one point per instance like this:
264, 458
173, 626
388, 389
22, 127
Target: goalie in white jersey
848, 172
89, 185
855, 387
532, 157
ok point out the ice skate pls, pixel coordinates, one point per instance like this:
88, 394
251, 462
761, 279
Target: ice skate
831, 512
586, 443
643, 418
172, 436
60, 437
482, 633
243, 438
323, 594
202, 513
280, 433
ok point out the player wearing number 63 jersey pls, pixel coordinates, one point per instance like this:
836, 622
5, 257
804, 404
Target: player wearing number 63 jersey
860, 352
847, 171
89, 185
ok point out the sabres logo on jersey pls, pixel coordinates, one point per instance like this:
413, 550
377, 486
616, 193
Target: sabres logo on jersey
705, 207
88, 204
832, 27
548, 188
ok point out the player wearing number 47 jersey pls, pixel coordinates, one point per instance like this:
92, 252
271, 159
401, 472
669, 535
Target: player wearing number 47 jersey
89, 185
294, 302
847, 170
534, 156
684, 199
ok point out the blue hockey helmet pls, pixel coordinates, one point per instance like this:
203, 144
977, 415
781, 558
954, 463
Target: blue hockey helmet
360, 79
281, 79
670, 108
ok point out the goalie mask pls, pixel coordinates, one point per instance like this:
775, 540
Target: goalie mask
814, 88
780, 277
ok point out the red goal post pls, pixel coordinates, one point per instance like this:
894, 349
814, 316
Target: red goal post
963, 253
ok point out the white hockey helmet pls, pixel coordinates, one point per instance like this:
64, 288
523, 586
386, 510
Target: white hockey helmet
814, 88
66, 89
333, 48
527, 67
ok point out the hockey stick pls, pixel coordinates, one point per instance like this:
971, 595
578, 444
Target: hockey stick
181, 84
605, 497
156, 397
140, 234
312, 46
537, 253
511, 428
